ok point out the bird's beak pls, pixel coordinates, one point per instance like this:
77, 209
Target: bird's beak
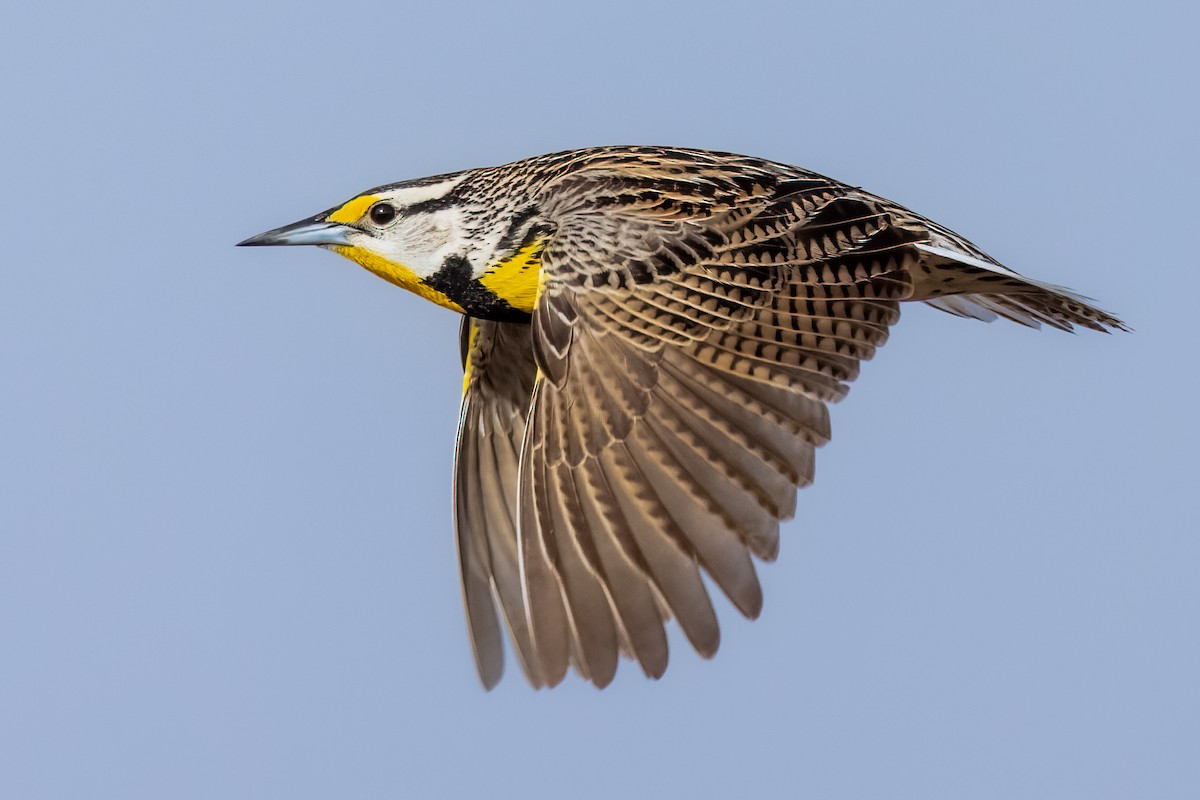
315, 230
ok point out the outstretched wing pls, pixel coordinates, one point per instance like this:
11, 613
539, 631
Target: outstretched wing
696, 314
497, 383
688, 337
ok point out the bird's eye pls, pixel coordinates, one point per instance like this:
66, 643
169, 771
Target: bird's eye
382, 213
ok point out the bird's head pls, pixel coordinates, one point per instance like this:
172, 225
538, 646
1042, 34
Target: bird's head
435, 236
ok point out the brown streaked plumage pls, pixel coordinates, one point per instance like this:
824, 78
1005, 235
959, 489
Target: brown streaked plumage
646, 408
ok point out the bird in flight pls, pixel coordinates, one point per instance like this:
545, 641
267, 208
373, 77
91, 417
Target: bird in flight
651, 337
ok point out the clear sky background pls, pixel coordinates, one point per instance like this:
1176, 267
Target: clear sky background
226, 560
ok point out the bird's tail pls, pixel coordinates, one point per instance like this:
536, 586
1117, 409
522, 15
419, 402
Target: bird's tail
966, 285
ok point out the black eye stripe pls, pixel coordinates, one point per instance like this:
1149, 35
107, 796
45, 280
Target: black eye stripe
382, 213
429, 206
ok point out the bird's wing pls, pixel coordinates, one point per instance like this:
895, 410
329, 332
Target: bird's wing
687, 344
497, 382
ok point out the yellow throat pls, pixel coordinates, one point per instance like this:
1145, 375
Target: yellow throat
395, 273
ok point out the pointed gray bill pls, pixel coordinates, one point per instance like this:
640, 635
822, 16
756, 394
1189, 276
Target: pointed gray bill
309, 231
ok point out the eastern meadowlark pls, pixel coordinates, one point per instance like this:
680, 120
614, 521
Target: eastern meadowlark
650, 340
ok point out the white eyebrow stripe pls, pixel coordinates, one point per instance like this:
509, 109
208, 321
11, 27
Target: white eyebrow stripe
411, 195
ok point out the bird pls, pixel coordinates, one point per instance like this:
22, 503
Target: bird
651, 338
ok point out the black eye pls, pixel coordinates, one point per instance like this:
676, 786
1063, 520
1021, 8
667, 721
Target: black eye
382, 213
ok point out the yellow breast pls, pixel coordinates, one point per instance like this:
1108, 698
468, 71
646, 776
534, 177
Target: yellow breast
516, 279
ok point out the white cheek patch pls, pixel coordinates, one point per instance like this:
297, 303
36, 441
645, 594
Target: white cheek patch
423, 241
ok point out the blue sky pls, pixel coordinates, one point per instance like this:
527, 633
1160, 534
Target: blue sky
226, 560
